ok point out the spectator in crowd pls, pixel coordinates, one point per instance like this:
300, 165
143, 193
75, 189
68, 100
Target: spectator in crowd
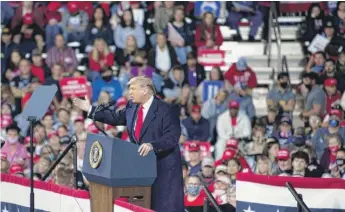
339, 170
126, 28
47, 122
7, 13
315, 124
256, 144
63, 119
207, 170
180, 35
271, 120
263, 165
300, 160
74, 22
125, 56
241, 74
284, 162
208, 34
38, 68
194, 72
140, 67
197, 127
335, 42
340, 64
282, 95
183, 104
271, 151
8, 98
6, 117
315, 101
4, 163
222, 184
194, 195
39, 137
162, 56
42, 166
242, 95
339, 17
98, 27
239, 127
331, 72
284, 132
53, 27
248, 10
15, 151
28, 8
333, 96
214, 82
313, 166
173, 84
7, 47
328, 159
212, 108
106, 82
62, 55
319, 139
12, 66
163, 14
194, 164
316, 63
234, 166
99, 58
54, 79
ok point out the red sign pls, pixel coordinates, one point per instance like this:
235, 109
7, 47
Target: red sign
74, 86
211, 57
205, 149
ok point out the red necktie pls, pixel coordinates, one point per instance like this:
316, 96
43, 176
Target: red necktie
139, 123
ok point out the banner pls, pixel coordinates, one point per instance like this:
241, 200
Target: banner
210, 89
74, 86
205, 149
15, 196
319, 43
211, 57
270, 194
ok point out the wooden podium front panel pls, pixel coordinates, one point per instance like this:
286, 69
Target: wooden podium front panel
101, 198
140, 196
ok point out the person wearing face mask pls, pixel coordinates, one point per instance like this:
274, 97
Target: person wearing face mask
332, 94
106, 83
328, 159
194, 195
339, 170
222, 184
330, 71
282, 95
298, 140
315, 100
319, 139
16, 152
140, 67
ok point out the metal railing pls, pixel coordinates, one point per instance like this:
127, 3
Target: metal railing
273, 27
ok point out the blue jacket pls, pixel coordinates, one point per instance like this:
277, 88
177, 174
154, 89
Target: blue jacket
197, 131
163, 131
113, 88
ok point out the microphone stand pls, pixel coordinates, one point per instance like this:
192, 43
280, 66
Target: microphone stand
69, 146
32, 120
98, 109
298, 197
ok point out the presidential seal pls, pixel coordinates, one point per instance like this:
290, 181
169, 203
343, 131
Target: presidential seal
96, 154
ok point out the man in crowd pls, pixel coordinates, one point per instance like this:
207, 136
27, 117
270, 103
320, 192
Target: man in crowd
197, 127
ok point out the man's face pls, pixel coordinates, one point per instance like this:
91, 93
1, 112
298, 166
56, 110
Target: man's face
221, 185
24, 67
64, 117
285, 127
57, 70
329, 67
59, 41
233, 112
161, 40
194, 156
299, 164
233, 167
207, 171
6, 38
136, 93
62, 132
319, 59
178, 74
196, 116
37, 60
329, 31
47, 121
284, 165
39, 134
191, 62
331, 90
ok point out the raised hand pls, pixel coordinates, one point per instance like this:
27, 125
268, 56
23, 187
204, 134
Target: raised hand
82, 104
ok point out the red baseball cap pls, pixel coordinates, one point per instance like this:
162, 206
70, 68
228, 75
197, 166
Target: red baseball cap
121, 102
3, 156
196, 109
229, 154
232, 143
234, 104
194, 147
283, 154
53, 6
72, 7
16, 168
28, 19
337, 113
330, 82
27, 140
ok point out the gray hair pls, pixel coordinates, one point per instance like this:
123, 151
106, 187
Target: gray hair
143, 81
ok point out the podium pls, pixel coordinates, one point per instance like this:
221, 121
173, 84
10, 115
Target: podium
115, 169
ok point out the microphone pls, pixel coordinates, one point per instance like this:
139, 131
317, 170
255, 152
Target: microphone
105, 106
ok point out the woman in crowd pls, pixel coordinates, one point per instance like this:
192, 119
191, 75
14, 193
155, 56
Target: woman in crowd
263, 165
216, 80
128, 27
328, 159
271, 151
194, 195
234, 167
99, 58
208, 34
13, 65
99, 27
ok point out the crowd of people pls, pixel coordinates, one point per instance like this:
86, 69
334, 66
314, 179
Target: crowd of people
160, 40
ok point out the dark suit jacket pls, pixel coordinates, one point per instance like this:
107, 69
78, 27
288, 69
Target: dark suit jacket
162, 129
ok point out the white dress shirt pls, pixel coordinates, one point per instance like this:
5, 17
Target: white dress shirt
163, 59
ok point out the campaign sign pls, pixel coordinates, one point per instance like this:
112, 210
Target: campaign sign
74, 86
